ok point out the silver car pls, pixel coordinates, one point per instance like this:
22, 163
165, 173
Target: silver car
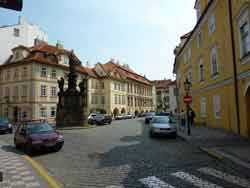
160, 126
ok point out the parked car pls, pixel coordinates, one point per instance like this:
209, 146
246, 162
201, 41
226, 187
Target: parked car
5, 126
149, 116
36, 136
162, 114
119, 117
130, 116
160, 126
92, 116
100, 119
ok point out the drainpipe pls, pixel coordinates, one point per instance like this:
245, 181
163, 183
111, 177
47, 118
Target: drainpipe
236, 87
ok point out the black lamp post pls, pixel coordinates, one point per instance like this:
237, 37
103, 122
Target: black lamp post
187, 86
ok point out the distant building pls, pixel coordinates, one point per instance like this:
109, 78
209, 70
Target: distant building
22, 33
165, 96
28, 84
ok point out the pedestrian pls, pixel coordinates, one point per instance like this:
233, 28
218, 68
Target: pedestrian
191, 116
183, 119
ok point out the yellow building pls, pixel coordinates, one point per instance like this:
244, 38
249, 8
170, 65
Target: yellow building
215, 57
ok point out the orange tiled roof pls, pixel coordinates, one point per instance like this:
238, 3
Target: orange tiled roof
126, 72
163, 83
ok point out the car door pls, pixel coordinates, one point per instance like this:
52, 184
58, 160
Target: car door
20, 136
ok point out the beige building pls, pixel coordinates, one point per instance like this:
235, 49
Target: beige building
28, 84
166, 96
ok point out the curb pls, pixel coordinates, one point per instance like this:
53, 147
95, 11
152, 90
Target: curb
212, 153
42, 172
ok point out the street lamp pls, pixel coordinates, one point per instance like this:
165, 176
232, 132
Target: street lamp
187, 86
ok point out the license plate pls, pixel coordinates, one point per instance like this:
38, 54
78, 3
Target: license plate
50, 144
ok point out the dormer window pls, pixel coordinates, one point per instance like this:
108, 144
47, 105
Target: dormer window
65, 59
18, 55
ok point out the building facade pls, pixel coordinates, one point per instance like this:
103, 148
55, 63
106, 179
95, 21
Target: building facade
22, 33
28, 84
214, 58
166, 96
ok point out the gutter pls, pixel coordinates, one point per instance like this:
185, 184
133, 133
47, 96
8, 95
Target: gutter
236, 87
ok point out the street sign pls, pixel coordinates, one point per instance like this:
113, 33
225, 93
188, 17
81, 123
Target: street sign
187, 99
12, 4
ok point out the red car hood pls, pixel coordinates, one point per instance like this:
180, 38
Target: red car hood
44, 136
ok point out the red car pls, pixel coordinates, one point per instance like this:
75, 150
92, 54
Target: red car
37, 135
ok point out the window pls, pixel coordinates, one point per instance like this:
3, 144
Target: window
201, 71
199, 40
7, 92
43, 112
16, 32
16, 75
189, 54
102, 84
116, 100
53, 91
53, 111
53, 74
94, 99
243, 30
93, 84
7, 76
203, 106
214, 61
217, 106
211, 24
43, 72
25, 72
65, 59
102, 99
189, 76
43, 91
24, 90
16, 91
18, 55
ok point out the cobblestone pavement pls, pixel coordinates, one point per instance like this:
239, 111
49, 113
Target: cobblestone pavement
17, 173
122, 155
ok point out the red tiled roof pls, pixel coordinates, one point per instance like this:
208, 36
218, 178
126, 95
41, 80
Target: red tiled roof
163, 83
110, 66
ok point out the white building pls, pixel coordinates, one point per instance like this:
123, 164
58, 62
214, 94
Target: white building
23, 33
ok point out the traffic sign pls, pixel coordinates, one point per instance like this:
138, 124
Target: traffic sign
187, 99
12, 4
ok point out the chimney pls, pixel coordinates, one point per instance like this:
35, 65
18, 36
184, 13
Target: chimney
59, 45
22, 20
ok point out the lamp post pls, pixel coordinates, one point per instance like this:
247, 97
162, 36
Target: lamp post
187, 86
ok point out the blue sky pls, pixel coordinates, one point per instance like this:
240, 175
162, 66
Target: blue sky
141, 33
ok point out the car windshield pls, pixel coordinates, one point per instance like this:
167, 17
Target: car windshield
39, 128
160, 120
3, 120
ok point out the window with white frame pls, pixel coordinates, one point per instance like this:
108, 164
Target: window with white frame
25, 72
203, 106
201, 70
102, 99
53, 91
7, 92
16, 74
44, 72
52, 111
7, 76
198, 11
211, 24
94, 99
116, 100
217, 106
24, 90
214, 61
16, 91
199, 39
189, 54
53, 74
43, 90
244, 33
43, 112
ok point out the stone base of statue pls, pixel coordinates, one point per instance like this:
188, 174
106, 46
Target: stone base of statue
72, 103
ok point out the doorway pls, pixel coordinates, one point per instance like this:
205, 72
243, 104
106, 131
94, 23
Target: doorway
15, 114
248, 109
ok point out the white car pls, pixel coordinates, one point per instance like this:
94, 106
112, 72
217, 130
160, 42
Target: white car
160, 126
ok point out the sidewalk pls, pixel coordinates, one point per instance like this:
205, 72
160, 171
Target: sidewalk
18, 172
220, 144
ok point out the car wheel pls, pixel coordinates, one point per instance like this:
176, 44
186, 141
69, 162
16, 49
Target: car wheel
174, 136
58, 147
11, 131
27, 149
151, 134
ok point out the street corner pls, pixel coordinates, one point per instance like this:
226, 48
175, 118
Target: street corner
18, 172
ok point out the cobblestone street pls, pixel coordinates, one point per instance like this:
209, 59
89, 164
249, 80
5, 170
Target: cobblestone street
123, 155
